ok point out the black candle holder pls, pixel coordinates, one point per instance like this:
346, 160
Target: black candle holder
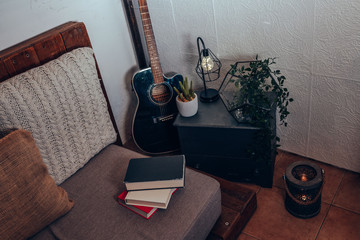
303, 184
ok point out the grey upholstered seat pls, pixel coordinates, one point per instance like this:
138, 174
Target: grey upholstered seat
191, 213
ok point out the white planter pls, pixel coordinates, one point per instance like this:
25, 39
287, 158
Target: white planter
187, 109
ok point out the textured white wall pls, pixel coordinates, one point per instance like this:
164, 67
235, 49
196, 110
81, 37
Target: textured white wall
317, 43
107, 28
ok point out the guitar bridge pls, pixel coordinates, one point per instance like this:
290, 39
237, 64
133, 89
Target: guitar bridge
164, 118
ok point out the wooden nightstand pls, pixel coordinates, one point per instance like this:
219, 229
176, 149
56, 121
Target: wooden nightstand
214, 142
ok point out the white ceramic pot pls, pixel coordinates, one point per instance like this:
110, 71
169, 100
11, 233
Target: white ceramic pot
187, 109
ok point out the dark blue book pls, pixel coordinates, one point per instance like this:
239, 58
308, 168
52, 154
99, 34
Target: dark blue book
155, 173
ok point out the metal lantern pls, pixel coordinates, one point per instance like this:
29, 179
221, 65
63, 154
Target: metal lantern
303, 184
208, 69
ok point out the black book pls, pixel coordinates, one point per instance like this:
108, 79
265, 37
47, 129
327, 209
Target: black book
155, 173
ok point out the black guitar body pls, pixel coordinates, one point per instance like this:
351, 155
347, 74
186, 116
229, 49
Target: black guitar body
152, 127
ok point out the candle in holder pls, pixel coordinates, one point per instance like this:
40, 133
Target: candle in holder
303, 177
303, 184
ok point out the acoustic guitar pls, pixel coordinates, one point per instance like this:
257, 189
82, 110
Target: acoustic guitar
152, 127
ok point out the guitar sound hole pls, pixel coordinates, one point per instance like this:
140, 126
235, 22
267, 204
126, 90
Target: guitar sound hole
161, 93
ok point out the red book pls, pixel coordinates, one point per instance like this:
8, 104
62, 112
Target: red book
145, 212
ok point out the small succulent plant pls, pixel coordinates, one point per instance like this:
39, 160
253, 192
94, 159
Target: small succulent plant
186, 92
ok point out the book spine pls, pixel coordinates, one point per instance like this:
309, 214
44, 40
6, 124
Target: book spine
123, 204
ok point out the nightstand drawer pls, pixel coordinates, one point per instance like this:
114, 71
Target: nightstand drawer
226, 142
235, 169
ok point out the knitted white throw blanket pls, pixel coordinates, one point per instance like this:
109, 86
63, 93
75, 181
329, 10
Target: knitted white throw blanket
62, 104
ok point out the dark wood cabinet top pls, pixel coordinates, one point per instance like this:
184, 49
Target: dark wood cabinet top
214, 115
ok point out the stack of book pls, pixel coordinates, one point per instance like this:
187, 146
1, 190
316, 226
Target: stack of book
150, 183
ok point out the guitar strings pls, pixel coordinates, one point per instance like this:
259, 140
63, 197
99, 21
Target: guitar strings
165, 92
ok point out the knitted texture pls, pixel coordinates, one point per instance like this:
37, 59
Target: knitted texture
61, 103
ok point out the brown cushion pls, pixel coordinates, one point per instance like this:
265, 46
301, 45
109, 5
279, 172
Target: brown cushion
29, 197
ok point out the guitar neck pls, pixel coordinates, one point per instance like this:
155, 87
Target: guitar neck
150, 42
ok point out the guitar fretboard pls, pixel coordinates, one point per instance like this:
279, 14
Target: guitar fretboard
150, 42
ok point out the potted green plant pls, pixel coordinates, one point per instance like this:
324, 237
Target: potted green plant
261, 87
257, 91
186, 100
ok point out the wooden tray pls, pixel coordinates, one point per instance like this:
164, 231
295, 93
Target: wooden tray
238, 205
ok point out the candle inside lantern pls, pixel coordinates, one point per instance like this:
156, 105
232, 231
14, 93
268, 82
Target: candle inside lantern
303, 177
